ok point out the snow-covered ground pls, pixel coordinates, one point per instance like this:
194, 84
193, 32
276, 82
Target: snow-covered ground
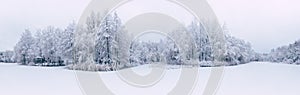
257, 78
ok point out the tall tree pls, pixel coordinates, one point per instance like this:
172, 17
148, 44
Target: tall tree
107, 40
67, 42
24, 48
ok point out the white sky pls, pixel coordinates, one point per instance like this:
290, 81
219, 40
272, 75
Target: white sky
265, 23
17, 15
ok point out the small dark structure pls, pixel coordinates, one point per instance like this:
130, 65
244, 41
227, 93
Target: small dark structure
41, 61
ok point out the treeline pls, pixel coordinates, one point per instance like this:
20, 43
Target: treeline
50, 46
237, 51
7, 57
289, 54
101, 43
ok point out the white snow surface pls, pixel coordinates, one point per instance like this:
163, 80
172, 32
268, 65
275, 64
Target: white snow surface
256, 78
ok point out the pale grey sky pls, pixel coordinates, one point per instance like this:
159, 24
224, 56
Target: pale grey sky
17, 15
265, 23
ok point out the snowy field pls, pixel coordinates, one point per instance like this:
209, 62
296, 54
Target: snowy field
255, 78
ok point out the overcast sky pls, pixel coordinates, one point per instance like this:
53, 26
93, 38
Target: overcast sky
265, 23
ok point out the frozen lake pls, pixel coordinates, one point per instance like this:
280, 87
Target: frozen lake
256, 78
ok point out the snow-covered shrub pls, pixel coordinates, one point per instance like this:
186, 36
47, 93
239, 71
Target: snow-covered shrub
90, 67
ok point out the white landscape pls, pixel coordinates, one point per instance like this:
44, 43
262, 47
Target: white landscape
256, 78
149, 47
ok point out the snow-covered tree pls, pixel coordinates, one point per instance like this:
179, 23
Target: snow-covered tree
67, 42
180, 46
38, 43
24, 49
100, 45
172, 53
107, 41
203, 50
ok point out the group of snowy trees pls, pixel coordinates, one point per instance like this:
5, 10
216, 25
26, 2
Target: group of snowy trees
237, 50
49, 46
7, 56
146, 52
100, 44
196, 47
287, 54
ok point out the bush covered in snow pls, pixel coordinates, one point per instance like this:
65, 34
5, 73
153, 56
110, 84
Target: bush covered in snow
90, 67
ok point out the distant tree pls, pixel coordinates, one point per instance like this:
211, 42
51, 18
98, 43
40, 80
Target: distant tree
1, 57
7, 56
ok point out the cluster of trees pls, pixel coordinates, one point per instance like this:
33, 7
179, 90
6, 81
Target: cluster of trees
182, 46
49, 46
146, 52
195, 45
100, 44
289, 54
196, 49
238, 51
7, 56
